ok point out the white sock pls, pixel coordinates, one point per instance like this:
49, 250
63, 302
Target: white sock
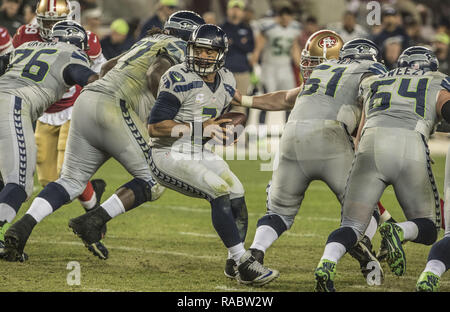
436, 267
372, 228
410, 230
113, 206
236, 252
333, 252
265, 236
88, 205
7, 213
39, 209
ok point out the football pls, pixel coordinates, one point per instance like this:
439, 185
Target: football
237, 119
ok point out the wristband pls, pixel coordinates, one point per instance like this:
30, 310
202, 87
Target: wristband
247, 101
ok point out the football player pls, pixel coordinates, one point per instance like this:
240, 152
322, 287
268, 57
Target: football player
38, 75
190, 97
53, 126
122, 101
5, 41
316, 143
401, 108
438, 258
5, 48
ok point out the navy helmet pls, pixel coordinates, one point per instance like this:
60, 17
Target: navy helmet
70, 32
360, 49
210, 37
418, 57
181, 24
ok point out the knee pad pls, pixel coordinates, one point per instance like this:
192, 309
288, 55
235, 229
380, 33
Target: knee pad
427, 231
13, 195
274, 221
345, 236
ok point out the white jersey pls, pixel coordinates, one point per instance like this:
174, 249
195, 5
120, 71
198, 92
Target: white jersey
198, 102
279, 41
35, 73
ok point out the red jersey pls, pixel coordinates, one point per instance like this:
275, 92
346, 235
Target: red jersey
30, 32
5, 40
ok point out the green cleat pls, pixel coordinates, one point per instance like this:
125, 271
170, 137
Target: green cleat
392, 236
4, 226
325, 272
428, 282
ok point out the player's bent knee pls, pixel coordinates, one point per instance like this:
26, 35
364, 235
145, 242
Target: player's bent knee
428, 232
217, 185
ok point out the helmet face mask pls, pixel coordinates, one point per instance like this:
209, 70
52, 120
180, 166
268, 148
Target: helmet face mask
212, 40
48, 13
320, 47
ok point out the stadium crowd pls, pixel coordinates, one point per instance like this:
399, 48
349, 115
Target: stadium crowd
403, 23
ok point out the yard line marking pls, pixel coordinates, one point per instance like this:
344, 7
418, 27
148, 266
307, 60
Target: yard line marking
198, 234
141, 250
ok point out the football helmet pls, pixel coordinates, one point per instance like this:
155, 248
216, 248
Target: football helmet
361, 49
181, 24
49, 12
70, 32
321, 46
418, 57
210, 37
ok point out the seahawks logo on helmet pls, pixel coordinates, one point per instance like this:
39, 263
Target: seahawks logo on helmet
70, 32
418, 57
181, 24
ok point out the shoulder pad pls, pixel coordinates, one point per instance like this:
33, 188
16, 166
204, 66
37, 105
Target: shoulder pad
377, 69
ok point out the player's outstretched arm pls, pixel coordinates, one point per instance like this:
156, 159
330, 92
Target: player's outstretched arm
107, 66
79, 74
155, 71
274, 101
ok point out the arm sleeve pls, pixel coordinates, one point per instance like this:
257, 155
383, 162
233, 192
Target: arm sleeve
166, 108
77, 74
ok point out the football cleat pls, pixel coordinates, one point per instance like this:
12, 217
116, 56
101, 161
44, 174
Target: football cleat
89, 228
324, 274
370, 267
392, 235
428, 282
383, 251
258, 254
16, 238
4, 226
231, 270
251, 272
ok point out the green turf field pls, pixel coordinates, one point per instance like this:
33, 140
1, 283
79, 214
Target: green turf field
170, 245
